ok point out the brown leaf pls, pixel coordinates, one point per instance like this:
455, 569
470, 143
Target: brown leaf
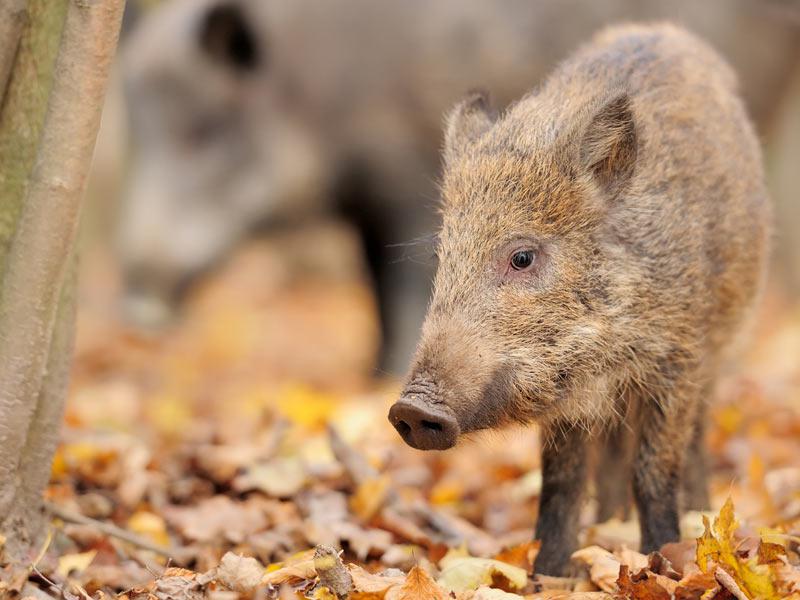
217, 517
694, 585
366, 582
178, 584
418, 585
522, 556
769, 553
645, 588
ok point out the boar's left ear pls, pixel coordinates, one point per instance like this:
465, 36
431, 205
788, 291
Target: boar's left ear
465, 123
608, 145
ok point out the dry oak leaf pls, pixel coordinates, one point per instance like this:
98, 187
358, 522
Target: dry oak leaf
178, 584
522, 555
603, 566
644, 588
215, 517
369, 583
418, 586
239, 573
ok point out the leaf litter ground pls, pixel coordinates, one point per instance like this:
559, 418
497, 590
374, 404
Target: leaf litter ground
246, 454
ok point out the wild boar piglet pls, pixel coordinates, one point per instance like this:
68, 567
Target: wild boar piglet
602, 244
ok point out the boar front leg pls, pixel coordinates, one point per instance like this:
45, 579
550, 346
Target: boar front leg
667, 424
564, 457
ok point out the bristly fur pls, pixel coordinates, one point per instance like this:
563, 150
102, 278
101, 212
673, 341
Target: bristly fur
635, 176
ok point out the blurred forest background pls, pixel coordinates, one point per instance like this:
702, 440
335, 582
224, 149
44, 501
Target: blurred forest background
219, 339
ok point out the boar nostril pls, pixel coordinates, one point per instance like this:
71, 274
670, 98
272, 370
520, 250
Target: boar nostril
431, 425
403, 428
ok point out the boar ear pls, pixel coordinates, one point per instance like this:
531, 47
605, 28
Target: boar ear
227, 37
608, 146
465, 123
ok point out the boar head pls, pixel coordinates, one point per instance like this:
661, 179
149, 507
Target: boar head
528, 291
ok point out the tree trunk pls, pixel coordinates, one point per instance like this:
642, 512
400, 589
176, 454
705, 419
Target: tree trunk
48, 123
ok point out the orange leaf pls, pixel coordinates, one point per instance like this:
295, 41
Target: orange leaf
418, 585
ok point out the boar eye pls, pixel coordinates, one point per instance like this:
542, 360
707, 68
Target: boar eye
522, 259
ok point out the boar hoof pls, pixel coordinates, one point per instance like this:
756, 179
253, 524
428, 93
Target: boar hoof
424, 426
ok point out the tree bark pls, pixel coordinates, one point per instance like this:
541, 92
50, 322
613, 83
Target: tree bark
12, 21
46, 145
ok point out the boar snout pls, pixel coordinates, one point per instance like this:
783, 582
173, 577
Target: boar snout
423, 425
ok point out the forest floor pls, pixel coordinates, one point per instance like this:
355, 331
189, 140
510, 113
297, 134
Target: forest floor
211, 461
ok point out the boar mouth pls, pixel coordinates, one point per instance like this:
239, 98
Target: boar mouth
423, 425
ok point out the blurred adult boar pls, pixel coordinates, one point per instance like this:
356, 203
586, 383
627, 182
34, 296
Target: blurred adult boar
602, 243
246, 113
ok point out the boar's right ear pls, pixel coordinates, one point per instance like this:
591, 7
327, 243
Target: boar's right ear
465, 123
608, 145
226, 36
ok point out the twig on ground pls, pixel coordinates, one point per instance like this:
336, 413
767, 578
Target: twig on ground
114, 531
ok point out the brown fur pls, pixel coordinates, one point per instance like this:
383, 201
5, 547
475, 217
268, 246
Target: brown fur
634, 175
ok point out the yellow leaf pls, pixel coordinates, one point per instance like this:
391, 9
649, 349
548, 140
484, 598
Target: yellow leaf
70, 563
446, 492
70, 456
298, 567
720, 547
170, 414
370, 496
149, 525
453, 554
323, 593
707, 547
306, 407
469, 573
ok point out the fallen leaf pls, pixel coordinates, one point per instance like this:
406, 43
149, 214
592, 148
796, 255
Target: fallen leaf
69, 563
370, 496
469, 573
281, 477
719, 548
603, 566
366, 582
487, 593
297, 568
239, 573
522, 555
418, 585
645, 587
215, 517
305, 406
178, 584
149, 525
